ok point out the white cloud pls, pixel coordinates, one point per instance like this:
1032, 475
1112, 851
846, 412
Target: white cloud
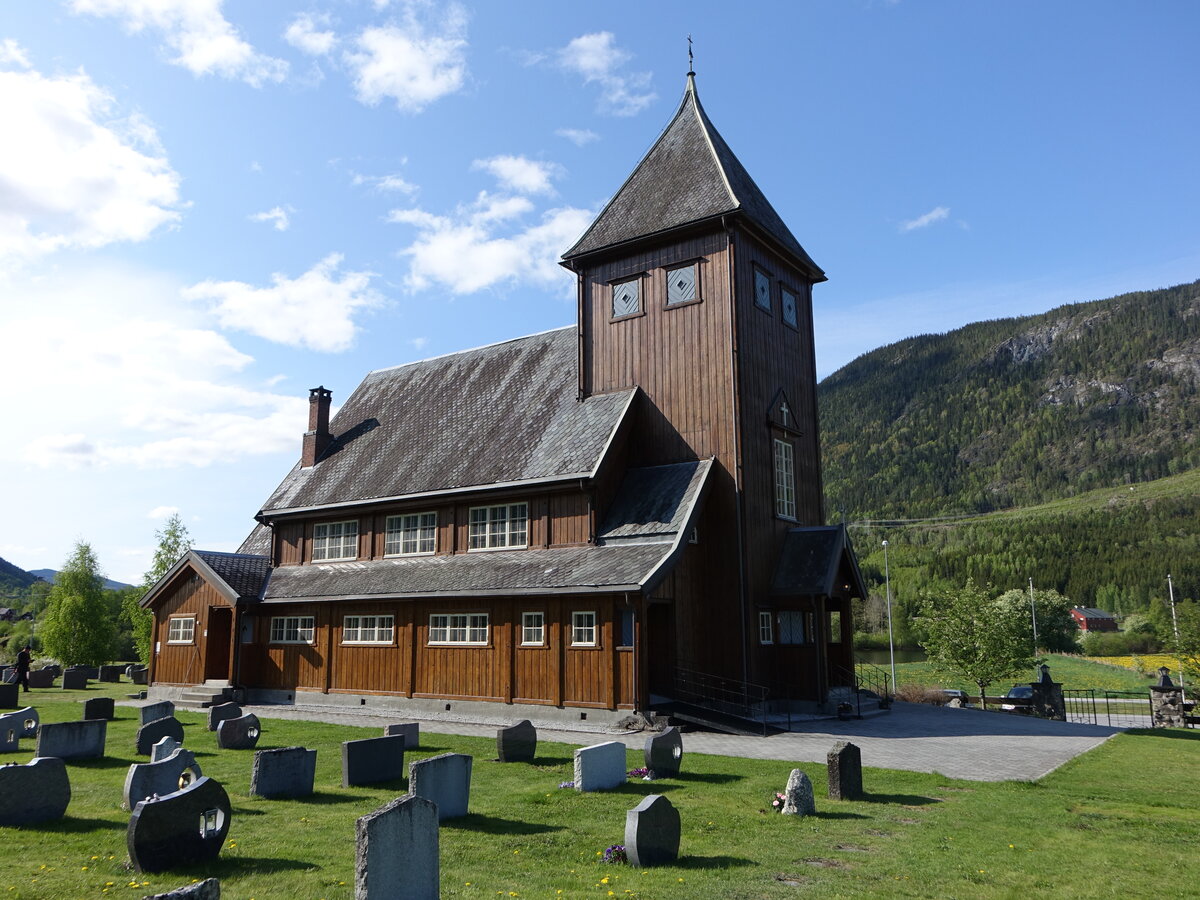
204, 41
387, 183
598, 59
13, 54
277, 216
162, 512
303, 35
138, 379
578, 136
936, 214
411, 62
315, 310
466, 253
419, 343
517, 173
73, 175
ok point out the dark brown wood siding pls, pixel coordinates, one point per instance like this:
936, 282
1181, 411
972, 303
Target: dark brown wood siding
288, 666
191, 596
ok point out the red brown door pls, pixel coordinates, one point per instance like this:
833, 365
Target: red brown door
217, 643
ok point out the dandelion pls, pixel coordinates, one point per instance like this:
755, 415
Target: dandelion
83, 868
516, 851
604, 880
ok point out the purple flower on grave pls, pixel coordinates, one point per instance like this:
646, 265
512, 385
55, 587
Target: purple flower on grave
641, 772
616, 855
567, 784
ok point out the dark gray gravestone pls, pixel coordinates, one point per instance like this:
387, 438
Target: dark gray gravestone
153, 732
38, 791
23, 724
161, 710
286, 772
42, 678
54, 669
240, 733
180, 829
208, 889
652, 832
397, 852
664, 753
222, 711
446, 780
99, 708
140, 676
798, 797
74, 680
163, 748
371, 760
10, 697
517, 743
10, 734
845, 771
157, 779
110, 674
73, 740
410, 730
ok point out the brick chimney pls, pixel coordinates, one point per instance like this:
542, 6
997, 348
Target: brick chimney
317, 438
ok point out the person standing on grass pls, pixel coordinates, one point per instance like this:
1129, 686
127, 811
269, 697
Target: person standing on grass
24, 657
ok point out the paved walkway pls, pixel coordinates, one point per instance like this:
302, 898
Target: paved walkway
959, 743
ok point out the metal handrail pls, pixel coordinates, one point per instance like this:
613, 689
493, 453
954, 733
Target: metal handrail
873, 678
743, 699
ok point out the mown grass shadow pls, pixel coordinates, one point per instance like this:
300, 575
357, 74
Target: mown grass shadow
708, 778
497, 825
1185, 734
821, 814
241, 865
901, 799
712, 862
75, 825
104, 762
552, 760
325, 798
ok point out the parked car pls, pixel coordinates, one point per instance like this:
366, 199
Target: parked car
956, 694
1018, 692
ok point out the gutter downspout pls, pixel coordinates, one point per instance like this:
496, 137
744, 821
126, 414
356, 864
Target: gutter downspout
735, 386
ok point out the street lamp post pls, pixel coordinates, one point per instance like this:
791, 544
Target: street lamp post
1175, 627
1033, 613
887, 579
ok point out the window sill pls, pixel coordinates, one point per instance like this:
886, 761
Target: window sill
524, 546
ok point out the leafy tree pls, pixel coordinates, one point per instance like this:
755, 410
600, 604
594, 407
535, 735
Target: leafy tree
77, 627
1056, 630
173, 542
971, 634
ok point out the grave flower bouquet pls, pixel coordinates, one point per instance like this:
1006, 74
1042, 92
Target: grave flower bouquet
641, 772
616, 855
778, 801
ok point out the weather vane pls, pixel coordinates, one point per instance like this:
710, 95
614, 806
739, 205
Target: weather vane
690, 67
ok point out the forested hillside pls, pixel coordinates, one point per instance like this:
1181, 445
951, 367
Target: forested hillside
1017, 411
14, 581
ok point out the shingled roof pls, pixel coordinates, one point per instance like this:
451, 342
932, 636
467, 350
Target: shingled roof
689, 175
236, 576
503, 414
811, 559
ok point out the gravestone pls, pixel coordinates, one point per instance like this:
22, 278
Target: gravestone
54, 669
73, 740
844, 764
153, 732
1166, 702
239, 734
10, 735
397, 852
180, 829
664, 753
445, 780
798, 799
23, 723
38, 791
282, 773
163, 748
110, 674
42, 678
157, 779
10, 697
222, 711
410, 730
371, 760
140, 676
74, 680
517, 743
600, 767
99, 708
652, 832
208, 889
154, 711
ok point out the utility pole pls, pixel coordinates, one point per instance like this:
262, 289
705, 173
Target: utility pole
1033, 612
1175, 628
887, 578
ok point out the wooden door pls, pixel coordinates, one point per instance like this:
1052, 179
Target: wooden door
217, 643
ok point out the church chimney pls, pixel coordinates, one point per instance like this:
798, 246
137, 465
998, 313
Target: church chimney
317, 438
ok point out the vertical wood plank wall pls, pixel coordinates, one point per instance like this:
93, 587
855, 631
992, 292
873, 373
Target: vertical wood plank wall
178, 664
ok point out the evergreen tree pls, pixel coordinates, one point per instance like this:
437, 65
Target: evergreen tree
77, 628
173, 542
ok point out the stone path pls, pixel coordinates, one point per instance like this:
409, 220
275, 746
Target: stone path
959, 743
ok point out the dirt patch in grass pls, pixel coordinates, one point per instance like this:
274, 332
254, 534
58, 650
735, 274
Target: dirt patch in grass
852, 848
822, 862
793, 880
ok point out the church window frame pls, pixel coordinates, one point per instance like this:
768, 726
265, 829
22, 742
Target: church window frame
784, 292
616, 287
697, 285
763, 277
334, 541
784, 465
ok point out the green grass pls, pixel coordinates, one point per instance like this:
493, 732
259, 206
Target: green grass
1113, 811
1072, 671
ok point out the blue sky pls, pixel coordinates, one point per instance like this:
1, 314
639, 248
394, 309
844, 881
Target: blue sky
208, 207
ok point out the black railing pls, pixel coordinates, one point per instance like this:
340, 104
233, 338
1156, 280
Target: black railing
742, 699
1080, 705
868, 677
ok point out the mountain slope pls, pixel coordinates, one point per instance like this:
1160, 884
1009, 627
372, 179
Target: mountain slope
50, 574
1017, 411
14, 580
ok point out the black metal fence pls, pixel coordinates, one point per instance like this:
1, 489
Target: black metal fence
1080, 705
1126, 709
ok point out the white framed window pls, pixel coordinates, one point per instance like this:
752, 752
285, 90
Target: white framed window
627, 298
533, 629
412, 534
583, 629
335, 540
765, 632
785, 480
789, 303
458, 628
292, 630
683, 284
181, 630
493, 527
791, 627
368, 629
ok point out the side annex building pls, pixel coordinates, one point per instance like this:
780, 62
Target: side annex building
607, 516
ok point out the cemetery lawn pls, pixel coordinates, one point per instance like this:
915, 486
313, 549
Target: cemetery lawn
1074, 672
1119, 820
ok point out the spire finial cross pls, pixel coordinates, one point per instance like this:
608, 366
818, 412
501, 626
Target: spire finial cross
690, 67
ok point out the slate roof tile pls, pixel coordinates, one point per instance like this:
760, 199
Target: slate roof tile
244, 573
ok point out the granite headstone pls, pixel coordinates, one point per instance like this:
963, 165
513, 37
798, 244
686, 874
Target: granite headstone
652, 832
283, 773
180, 829
798, 799
600, 767
222, 711
153, 732
73, 740
38, 791
445, 780
397, 852
664, 753
372, 760
99, 708
517, 743
844, 765
241, 733
157, 779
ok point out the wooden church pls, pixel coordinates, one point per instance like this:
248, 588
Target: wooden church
610, 516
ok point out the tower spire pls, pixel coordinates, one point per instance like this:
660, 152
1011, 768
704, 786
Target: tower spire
691, 67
